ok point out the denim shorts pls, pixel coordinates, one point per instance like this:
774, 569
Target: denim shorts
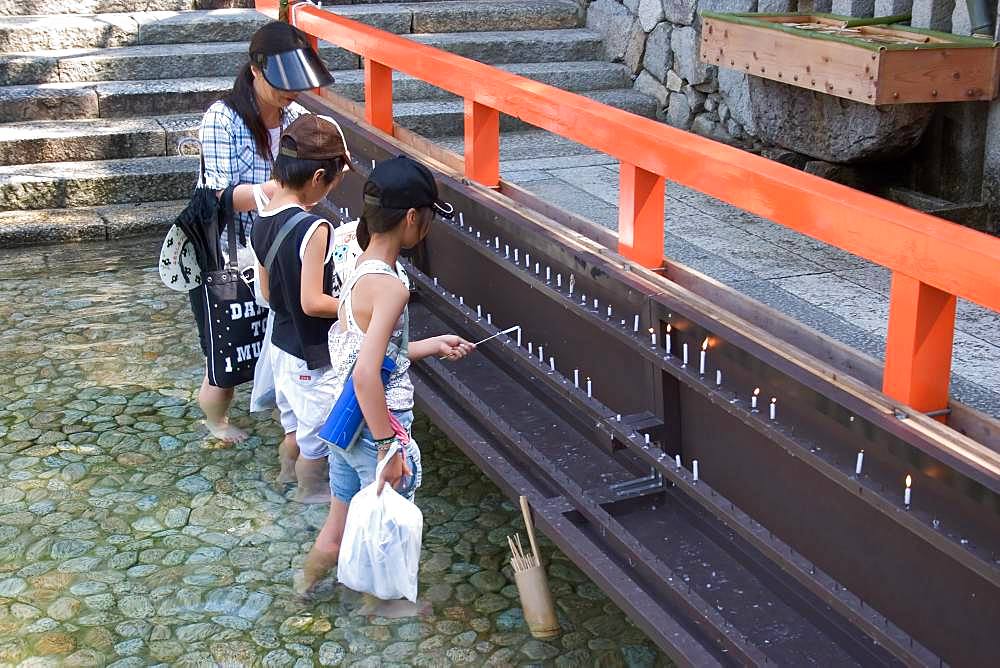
354, 468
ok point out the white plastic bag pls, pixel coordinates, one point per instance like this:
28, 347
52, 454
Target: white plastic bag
380, 552
262, 395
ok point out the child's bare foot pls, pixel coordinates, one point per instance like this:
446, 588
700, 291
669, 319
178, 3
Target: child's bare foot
226, 432
314, 569
394, 609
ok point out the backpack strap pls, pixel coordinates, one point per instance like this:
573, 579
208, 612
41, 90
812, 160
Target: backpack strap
280, 237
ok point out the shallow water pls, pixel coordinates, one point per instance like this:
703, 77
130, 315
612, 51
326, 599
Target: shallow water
128, 538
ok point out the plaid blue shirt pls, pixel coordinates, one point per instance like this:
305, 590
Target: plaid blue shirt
230, 154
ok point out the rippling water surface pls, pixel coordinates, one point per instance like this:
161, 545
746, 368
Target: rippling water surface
128, 538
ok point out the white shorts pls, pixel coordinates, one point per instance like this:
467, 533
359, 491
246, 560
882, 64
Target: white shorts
302, 404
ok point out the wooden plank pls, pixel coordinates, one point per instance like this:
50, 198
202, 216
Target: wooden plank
831, 67
937, 75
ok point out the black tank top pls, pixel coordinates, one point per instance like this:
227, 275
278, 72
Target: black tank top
298, 334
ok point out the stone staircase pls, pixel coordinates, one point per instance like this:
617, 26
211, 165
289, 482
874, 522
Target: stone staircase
92, 106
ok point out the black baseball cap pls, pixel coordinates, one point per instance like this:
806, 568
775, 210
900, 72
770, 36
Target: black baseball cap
403, 183
283, 54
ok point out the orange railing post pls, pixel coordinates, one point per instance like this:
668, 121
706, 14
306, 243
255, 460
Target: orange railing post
640, 215
918, 344
482, 144
378, 95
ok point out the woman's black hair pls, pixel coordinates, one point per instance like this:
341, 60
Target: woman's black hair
269, 39
296, 172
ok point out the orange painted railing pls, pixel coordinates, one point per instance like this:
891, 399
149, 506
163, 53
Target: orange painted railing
932, 260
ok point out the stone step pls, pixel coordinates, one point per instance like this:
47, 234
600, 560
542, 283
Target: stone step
33, 33
94, 139
64, 185
121, 99
446, 118
42, 7
86, 223
176, 61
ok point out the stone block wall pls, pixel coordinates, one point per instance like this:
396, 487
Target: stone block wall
658, 41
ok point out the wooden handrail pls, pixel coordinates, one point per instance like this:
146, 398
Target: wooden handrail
932, 260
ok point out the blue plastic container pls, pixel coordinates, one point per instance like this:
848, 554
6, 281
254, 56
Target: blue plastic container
343, 426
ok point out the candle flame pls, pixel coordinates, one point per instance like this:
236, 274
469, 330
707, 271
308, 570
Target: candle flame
669, 328
774, 400
756, 392
909, 481
651, 330
704, 344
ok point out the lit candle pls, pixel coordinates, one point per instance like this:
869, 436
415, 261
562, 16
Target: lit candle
552, 363
701, 362
694, 469
506, 250
609, 312
461, 301
677, 462
496, 242
590, 389
773, 402
669, 339
583, 300
519, 337
684, 348
635, 323
558, 280
647, 438
576, 377
477, 235
548, 274
652, 337
536, 268
618, 417
461, 219
860, 462
527, 260
572, 283
530, 348
516, 260
753, 400
489, 318
435, 281
373, 163
906, 492
718, 377
541, 354
479, 311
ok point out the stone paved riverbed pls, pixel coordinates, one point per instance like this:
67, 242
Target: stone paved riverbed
127, 538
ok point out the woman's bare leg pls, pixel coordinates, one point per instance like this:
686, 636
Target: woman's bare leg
215, 402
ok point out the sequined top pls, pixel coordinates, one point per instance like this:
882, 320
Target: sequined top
346, 337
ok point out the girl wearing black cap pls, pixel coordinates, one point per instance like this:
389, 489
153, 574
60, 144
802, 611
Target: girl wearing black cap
239, 141
401, 200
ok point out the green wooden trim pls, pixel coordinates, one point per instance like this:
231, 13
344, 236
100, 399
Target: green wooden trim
952, 41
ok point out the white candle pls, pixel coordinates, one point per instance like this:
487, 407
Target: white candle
652, 337
753, 399
596, 305
527, 260
558, 280
718, 377
552, 363
609, 311
541, 354
530, 348
506, 250
548, 274
906, 492
536, 268
859, 463
670, 339
701, 361
489, 318
647, 438
435, 281
516, 260
479, 311
477, 235
590, 388
576, 377
618, 417
461, 219
773, 402
373, 163
694, 469
496, 242
461, 301
677, 462
685, 355
518, 337
583, 300
635, 323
